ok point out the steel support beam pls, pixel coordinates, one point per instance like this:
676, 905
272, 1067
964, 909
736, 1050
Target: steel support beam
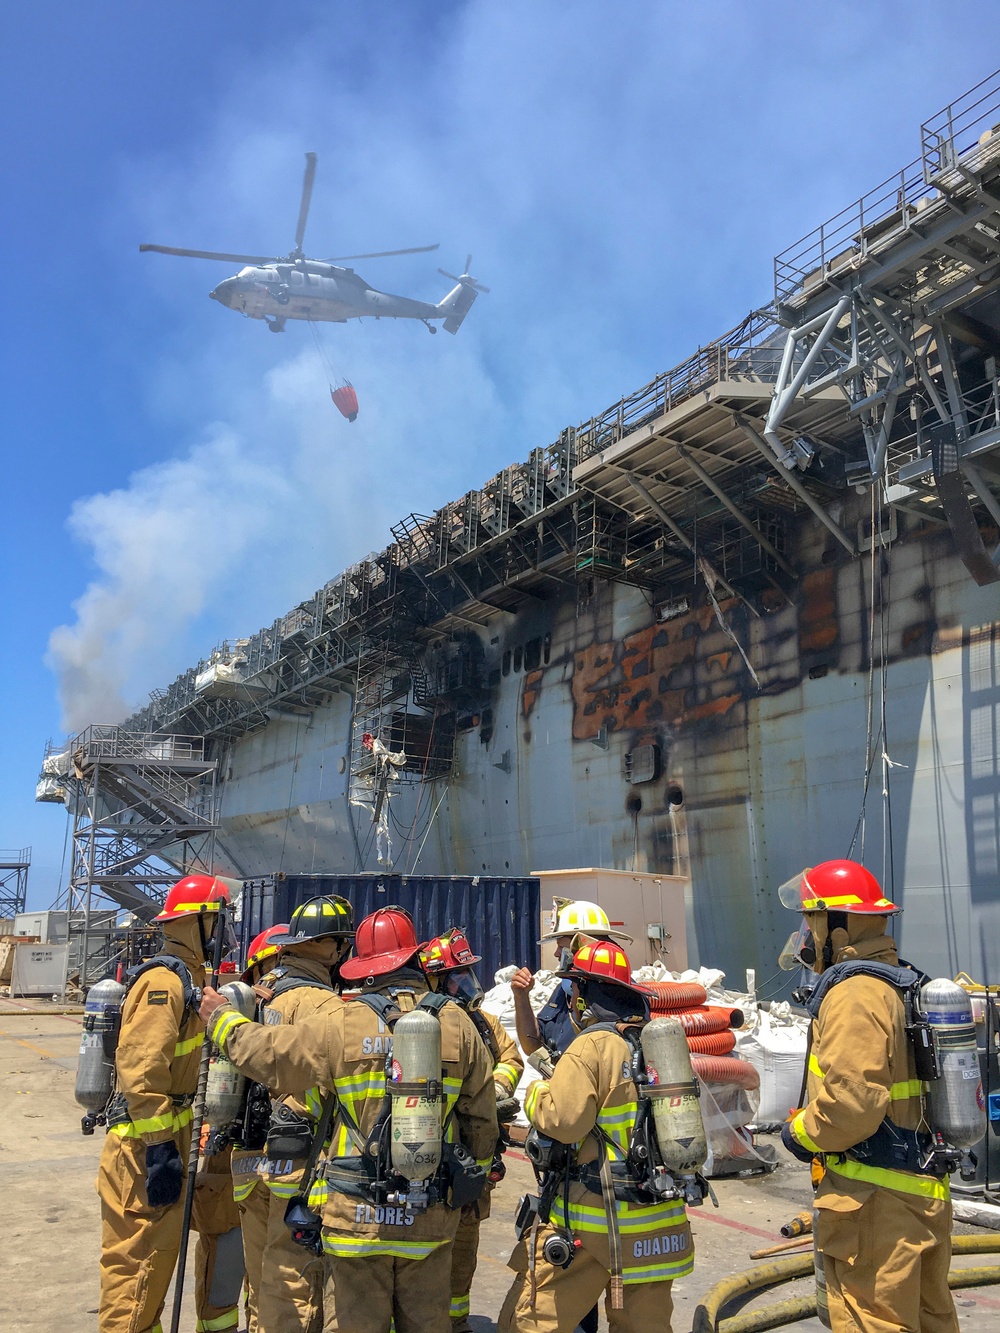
793, 483
707, 480
679, 533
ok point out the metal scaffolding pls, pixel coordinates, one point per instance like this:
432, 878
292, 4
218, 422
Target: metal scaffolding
14, 865
144, 811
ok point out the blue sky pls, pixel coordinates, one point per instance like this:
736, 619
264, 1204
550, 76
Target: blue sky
622, 174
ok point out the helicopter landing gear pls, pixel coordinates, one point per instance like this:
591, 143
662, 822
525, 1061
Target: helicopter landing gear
275, 325
431, 328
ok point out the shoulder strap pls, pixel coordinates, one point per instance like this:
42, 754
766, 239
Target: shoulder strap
433, 1002
383, 1005
172, 964
283, 983
904, 978
486, 1032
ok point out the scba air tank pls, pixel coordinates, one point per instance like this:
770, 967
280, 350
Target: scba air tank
680, 1130
102, 1017
956, 1107
226, 1085
415, 1088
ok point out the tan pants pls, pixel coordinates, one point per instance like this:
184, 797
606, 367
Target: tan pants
518, 1263
367, 1295
887, 1265
253, 1222
562, 1297
218, 1265
465, 1252
218, 1256
291, 1278
139, 1244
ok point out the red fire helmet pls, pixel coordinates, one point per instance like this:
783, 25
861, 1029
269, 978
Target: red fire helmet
836, 886
447, 951
265, 945
194, 893
383, 943
601, 960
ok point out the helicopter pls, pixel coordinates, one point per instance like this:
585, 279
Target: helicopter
277, 289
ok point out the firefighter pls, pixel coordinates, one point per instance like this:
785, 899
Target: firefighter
249, 1193
590, 1106
218, 1257
303, 985
141, 1175
387, 1260
448, 962
884, 1232
545, 1035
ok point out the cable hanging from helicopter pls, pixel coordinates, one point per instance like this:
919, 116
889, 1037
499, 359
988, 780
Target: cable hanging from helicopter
343, 393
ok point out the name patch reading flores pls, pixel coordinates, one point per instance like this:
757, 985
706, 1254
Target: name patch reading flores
157, 997
390, 1217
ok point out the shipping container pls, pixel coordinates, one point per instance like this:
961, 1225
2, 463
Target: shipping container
500, 915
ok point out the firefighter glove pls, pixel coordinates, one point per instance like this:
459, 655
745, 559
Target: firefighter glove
793, 1145
507, 1108
164, 1173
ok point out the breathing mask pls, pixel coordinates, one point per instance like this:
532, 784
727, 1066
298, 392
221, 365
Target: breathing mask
462, 985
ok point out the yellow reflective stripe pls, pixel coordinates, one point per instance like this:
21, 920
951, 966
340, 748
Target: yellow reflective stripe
189, 1044
228, 1320
911, 1087
460, 1306
507, 1072
927, 1187
212, 906
319, 1194
532, 1097
799, 1134
314, 1103
844, 900
283, 1189
631, 1217
243, 1190
360, 1085
351, 1247
133, 1129
223, 1023
814, 1066
661, 1272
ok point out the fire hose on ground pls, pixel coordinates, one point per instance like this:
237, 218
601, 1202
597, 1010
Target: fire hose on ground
710, 1316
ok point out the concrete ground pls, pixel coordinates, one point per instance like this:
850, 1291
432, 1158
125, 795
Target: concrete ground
51, 1228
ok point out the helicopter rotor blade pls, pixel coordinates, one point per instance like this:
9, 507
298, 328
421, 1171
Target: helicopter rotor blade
383, 254
210, 254
469, 282
307, 189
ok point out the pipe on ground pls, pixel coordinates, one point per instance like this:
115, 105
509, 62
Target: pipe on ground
709, 1316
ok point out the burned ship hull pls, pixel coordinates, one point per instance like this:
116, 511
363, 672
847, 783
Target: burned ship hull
647, 745
743, 621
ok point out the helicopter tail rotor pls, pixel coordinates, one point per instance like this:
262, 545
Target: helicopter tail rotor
466, 278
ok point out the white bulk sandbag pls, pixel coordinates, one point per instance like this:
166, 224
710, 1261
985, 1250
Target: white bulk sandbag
776, 1047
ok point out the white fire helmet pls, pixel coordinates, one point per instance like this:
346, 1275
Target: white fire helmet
580, 918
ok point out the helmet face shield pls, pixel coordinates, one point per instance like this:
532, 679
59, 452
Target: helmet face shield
791, 894
799, 950
462, 984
